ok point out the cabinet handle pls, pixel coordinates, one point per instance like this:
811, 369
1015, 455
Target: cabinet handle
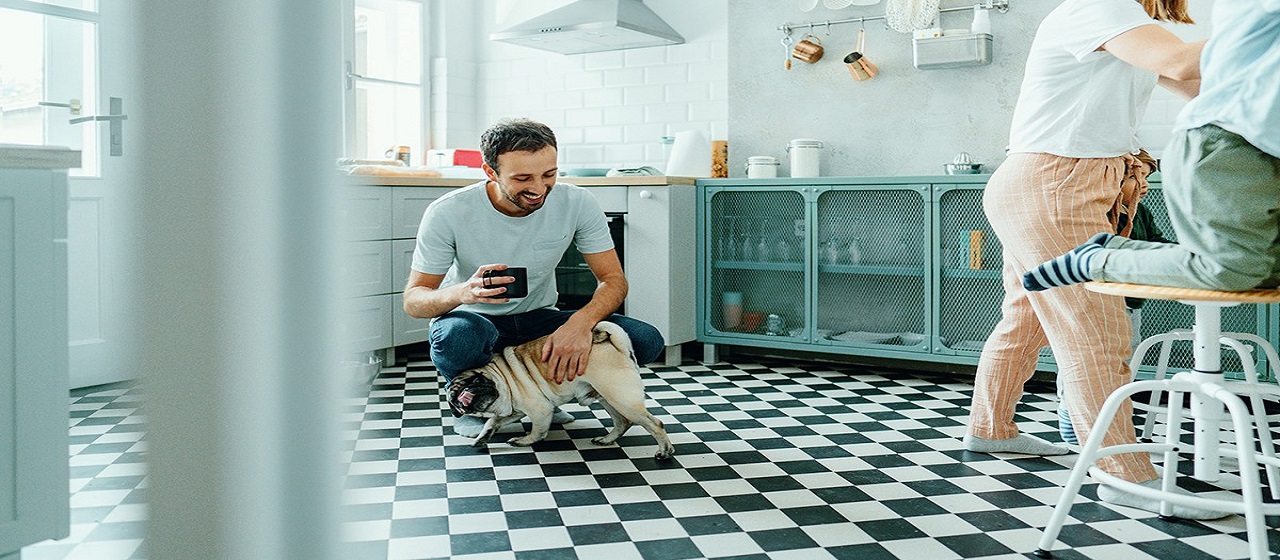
646, 194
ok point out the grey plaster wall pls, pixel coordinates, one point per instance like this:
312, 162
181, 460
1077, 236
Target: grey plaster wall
903, 122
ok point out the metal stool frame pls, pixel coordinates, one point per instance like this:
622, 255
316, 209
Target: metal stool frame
1213, 401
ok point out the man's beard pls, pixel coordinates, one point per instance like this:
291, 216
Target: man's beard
519, 201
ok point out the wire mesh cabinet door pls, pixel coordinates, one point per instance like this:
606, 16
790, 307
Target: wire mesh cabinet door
758, 267
969, 264
872, 263
1160, 316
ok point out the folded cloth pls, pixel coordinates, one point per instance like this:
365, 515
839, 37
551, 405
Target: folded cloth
389, 170
866, 337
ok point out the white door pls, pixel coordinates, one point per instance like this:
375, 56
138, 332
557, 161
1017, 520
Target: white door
96, 244
63, 61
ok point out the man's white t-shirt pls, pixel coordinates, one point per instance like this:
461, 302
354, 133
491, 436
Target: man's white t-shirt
1077, 101
461, 231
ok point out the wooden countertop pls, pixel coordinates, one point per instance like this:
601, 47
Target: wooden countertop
17, 156
628, 181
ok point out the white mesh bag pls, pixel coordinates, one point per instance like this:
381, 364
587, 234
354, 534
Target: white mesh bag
905, 16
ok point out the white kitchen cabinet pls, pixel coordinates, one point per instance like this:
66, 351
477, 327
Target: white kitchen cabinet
34, 386
381, 224
660, 254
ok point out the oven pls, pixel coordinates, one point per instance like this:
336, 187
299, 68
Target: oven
574, 279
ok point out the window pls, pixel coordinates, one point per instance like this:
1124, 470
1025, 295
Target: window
48, 74
384, 91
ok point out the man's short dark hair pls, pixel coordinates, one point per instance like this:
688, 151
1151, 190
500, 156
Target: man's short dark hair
514, 135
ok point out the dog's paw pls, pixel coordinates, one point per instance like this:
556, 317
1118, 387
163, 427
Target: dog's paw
480, 442
602, 440
662, 456
523, 441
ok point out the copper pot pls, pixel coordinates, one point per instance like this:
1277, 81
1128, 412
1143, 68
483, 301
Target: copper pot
809, 49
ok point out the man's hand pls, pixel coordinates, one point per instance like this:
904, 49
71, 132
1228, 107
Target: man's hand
566, 352
479, 289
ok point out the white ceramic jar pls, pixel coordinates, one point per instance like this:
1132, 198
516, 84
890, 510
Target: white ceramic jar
804, 157
762, 167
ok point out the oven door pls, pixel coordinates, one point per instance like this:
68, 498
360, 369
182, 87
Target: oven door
574, 279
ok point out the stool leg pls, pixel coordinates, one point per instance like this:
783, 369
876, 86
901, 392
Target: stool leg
1265, 443
1208, 413
1272, 358
1250, 486
1172, 427
1088, 456
1166, 341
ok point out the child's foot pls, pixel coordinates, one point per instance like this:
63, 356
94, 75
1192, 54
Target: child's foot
1021, 443
1065, 429
1070, 268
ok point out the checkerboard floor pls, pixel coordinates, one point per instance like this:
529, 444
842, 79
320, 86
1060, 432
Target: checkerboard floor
773, 460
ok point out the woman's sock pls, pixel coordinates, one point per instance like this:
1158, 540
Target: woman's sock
1071, 268
1119, 497
1022, 443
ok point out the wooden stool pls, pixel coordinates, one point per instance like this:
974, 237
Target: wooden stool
1210, 395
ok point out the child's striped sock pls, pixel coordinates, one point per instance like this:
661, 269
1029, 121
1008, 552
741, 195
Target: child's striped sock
1071, 268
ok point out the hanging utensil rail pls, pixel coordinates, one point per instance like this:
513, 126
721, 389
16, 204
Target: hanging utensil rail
1001, 6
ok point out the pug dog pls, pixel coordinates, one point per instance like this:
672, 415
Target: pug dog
514, 384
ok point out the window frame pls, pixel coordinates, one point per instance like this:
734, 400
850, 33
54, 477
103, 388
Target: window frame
351, 80
91, 147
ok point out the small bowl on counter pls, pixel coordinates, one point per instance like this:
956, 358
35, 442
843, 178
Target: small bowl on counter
962, 168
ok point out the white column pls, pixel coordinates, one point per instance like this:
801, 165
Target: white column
233, 297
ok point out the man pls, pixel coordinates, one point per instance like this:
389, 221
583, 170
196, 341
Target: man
1221, 175
519, 217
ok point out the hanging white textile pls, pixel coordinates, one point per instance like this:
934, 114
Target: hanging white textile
905, 16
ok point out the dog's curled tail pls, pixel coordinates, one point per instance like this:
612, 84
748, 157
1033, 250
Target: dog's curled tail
611, 332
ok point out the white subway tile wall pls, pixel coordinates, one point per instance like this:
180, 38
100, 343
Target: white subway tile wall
611, 109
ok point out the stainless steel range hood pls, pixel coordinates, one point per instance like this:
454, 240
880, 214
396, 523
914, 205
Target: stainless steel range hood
592, 26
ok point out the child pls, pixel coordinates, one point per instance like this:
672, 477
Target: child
1135, 221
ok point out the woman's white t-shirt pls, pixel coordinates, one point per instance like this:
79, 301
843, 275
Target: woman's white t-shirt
1077, 101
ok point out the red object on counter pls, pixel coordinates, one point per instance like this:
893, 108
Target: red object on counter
445, 158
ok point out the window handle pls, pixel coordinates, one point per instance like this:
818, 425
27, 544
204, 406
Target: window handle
115, 115
73, 105
352, 76
79, 120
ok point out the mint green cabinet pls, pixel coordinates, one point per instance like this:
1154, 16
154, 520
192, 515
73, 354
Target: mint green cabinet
889, 267
872, 281
757, 267
821, 266
968, 274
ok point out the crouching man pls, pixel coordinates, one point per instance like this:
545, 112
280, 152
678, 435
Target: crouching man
520, 217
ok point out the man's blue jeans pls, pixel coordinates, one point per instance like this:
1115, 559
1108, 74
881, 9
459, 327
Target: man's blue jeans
462, 340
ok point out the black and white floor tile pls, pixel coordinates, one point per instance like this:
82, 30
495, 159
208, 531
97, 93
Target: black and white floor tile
773, 460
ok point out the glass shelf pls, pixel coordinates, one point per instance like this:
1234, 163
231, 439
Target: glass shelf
971, 273
753, 265
872, 270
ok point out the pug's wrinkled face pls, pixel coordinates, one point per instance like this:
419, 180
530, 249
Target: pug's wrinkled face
471, 392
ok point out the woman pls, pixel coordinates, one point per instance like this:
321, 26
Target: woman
1091, 70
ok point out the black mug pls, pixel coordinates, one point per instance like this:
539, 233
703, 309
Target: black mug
517, 289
